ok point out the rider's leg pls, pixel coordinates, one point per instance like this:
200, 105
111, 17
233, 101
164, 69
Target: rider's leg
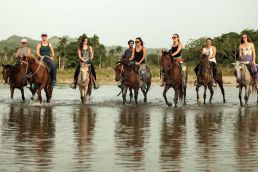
53, 69
75, 77
183, 67
255, 71
213, 67
93, 73
197, 71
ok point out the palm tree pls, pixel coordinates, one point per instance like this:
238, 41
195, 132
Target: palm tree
111, 55
61, 48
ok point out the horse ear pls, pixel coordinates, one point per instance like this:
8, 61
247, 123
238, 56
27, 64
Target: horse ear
233, 64
3, 65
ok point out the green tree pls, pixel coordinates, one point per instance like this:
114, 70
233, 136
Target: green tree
61, 48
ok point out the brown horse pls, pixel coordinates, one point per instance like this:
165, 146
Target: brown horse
129, 76
205, 79
16, 77
40, 77
173, 78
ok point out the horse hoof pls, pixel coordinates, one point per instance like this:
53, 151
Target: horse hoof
169, 104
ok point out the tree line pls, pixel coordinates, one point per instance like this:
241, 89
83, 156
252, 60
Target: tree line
226, 44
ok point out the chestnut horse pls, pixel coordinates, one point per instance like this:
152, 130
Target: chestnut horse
40, 77
205, 79
173, 78
16, 77
128, 74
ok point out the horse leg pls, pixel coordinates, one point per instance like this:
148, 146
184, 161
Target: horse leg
204, 95
50, 92
247, 94
197, 93
12, 92
222, 90
131, 94
176, 97
184, 89
211, 92
22, 92
166, 88
145, 93
81, 92
240, 95
257, 97
47, 93
124, 91
39, 93
136, 95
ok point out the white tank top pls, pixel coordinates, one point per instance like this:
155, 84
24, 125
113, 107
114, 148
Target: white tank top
210, 52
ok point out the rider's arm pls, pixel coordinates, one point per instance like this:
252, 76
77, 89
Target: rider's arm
91, 53
29, 52
180, 46
144, 55
254, 54
79, 55
132, 57
214, 50
52, 51
38, 52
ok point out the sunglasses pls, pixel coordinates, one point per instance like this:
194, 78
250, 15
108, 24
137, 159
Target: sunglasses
137, 42
174, 37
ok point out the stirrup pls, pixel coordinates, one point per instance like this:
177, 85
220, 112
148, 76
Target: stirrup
96, 86
73, 85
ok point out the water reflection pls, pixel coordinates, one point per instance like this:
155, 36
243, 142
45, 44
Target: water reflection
245, 135
208, 127
33, 131
172, 139
84, 124
131, 134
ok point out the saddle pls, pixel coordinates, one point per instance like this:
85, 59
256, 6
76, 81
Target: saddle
249, 67
48, 67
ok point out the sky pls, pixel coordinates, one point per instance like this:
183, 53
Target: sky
117, 21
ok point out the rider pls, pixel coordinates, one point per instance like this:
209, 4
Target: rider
128, 52
211, 51
46, 53
139, 54
85, 54
24, 50
247, 53
175, 52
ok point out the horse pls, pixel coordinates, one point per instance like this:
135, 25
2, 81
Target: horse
84, 82
245, 79
129, 77
16, 77
205, 79
173, 78
40, 76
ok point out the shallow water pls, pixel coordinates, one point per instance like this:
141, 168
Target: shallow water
108, 136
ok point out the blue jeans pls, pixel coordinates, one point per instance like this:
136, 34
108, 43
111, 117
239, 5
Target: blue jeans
52, 65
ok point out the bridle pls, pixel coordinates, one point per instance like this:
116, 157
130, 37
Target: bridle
27, 66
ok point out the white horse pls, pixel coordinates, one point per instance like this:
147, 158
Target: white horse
84, 82
245, 79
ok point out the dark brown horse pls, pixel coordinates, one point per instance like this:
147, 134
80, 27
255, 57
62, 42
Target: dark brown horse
16, 77
173, 78
128, 74
40, 77
205, 79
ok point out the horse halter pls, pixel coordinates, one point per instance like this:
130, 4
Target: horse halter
25, 62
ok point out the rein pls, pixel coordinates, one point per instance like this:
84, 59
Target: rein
27, 65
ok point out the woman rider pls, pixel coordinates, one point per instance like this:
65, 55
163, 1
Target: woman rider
138, 56
176, 53
211, 51
247, 53
46, 52
85, 54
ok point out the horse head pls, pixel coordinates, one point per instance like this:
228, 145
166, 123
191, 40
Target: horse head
6, 72
118, 70
239, 70
165, 61
84, 70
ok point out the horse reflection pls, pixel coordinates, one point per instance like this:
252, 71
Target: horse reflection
172, 138
132, 130
208, 126
245, 136
84, 124
34, 134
